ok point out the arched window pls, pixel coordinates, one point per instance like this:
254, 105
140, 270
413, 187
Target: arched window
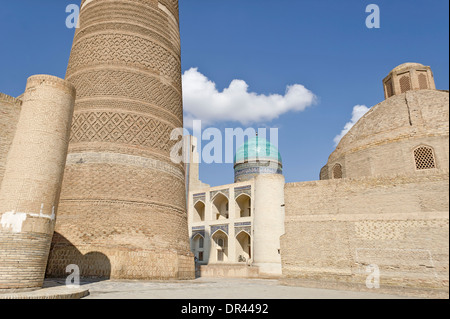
199, 212
424, 158
198, 243
337, 171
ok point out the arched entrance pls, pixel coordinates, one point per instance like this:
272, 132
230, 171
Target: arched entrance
220, 207
243, 206
198, 243
243, 247
219, 248
199, 212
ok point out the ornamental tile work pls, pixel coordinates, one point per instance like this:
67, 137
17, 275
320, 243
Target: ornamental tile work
198, 230
225, 192
215, 228
199, 197
243, 190
250, 170
245, 226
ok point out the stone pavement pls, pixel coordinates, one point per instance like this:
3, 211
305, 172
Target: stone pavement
214, 288
58, 292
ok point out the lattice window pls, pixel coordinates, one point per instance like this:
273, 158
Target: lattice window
337, 171
389, 89
424, 157
423, 82
405, 83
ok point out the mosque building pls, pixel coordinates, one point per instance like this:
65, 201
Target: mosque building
239, 225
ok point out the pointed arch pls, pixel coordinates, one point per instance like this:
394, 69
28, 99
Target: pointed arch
218, 193
219, 249
219, 231
243, 205
243, 230
196, 235
198, 246
220, 206
199, 211
243, 247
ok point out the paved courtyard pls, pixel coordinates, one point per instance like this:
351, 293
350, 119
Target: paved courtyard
214, 288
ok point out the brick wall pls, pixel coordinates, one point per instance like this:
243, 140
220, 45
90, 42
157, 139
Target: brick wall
336, 228
9, 115
30, 189
123, 201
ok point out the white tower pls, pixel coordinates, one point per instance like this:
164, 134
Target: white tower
268, 223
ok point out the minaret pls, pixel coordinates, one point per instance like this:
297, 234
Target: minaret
122, 210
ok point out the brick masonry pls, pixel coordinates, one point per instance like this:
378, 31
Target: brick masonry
336, 228
123, 208
31, 184
383, 141
9, 115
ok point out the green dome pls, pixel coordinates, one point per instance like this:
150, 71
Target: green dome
257, 148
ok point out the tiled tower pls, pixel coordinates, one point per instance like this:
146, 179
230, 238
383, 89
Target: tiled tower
256, 157
123, 209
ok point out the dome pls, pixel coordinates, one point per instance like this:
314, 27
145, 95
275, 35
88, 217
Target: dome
256, 157
257, 149
407, 66
382, 141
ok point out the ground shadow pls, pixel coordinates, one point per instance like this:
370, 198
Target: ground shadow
198, 270
93, 266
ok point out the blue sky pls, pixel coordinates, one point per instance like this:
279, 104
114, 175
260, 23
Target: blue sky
322, 45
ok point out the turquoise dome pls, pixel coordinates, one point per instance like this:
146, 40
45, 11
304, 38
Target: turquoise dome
256, 157
257, 148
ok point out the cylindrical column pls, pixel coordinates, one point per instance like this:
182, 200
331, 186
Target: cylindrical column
268, 224
123, 201
31, 185
10, 111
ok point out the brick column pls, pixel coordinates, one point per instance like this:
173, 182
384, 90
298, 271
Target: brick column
31, 185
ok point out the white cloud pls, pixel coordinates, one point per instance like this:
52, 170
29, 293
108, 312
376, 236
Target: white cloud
358, 112
202, 101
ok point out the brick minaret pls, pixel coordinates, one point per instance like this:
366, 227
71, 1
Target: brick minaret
122, 210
